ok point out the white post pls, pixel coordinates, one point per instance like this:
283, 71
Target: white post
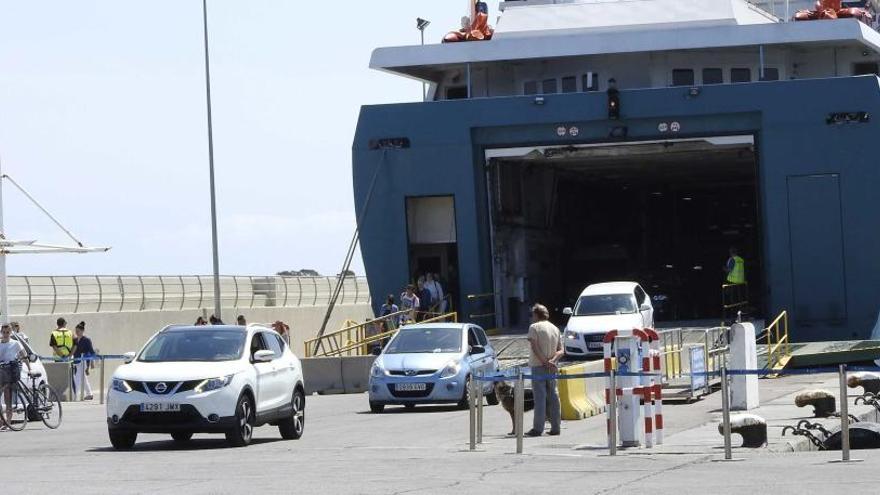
4, 288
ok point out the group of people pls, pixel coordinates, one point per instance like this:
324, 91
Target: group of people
279, 326
75, 345
418, 301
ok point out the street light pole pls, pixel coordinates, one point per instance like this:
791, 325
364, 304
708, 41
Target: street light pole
211, 168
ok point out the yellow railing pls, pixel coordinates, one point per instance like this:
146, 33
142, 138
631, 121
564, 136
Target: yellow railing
356, 340
733, 297
778, 342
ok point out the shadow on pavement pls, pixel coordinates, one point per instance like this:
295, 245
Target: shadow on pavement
192, 445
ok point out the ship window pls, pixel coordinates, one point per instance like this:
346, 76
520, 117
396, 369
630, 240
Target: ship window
713, 76
770, 74
682, 77
741, 75
862, 68
530, 88
591, 81
549, 86
456, 93
569, 84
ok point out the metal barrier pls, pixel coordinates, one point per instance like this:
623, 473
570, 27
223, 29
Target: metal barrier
356, 339
481, 297
778, 342
674, 342
46, 295
734, 298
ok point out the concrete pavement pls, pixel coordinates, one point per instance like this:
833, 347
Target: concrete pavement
347, 450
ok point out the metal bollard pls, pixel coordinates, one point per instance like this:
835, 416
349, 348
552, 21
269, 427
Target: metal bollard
81, 376
69, 393
480, 410
725, 409
472, 414
844, 416
103, 384
518, 410
612, 429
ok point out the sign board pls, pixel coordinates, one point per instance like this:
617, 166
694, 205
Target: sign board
697, 360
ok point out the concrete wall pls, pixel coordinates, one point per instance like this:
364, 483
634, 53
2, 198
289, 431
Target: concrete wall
117, 333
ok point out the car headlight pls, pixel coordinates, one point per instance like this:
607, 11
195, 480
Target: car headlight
213, 384
121, 386
570, 335
451, 369
377, 370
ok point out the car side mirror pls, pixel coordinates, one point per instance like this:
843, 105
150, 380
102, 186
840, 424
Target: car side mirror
567, 311
128, 357
264, 356
477, 349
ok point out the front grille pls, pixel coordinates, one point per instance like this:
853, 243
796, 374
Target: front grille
137, 386
597, 337
169, 387
411, 394
187, 414
411, 372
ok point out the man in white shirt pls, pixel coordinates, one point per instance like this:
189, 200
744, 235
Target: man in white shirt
12, 353
545, 350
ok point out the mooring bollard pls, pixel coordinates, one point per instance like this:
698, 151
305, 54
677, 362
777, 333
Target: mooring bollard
480, 410
725, 411
472, 413
612, 414
103, 384
518, 408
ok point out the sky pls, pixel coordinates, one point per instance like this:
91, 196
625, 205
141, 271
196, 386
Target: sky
103, 120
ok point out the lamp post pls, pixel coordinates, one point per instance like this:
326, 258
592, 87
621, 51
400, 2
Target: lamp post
421, 25
216, 258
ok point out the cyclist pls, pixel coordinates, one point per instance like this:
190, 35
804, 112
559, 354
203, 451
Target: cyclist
12, 353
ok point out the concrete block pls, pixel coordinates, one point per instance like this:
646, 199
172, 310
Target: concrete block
59, 376
356, 373
582, 397
743, 356
323, 375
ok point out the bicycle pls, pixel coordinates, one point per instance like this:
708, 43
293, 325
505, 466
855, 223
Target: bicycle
40, 402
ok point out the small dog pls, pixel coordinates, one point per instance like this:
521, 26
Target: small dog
504, 393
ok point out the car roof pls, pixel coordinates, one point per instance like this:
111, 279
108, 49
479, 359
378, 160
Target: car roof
610, 288
459, 326
203, 328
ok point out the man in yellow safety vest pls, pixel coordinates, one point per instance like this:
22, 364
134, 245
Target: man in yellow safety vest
61, 340
735, 268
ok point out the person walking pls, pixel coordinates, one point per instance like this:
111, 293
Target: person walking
61, 340
283, 330
83, 352
389, 308
424, 299
241, 321
12, 354
545, 350
409, 302
436, 291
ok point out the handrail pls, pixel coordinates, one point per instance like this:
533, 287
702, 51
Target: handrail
778, 341
357, 341
49, 295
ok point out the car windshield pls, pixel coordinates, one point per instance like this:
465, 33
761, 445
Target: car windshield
605, 304
194, 345
425, 340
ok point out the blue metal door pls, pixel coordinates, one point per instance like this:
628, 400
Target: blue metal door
817, 263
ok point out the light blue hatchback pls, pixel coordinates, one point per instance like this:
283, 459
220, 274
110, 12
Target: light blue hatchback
432, 363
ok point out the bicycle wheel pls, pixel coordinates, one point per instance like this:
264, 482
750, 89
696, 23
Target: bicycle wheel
48, 406
14, 414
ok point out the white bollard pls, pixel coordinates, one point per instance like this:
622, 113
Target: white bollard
744, 392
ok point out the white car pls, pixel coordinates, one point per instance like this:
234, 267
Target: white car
602, 308
207, 379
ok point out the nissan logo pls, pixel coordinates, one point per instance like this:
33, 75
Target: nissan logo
161, 387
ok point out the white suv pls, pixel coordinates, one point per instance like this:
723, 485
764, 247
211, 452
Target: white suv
207, 379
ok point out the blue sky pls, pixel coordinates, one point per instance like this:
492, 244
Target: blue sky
102, 118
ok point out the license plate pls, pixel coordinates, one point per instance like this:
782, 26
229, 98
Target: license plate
595, 345
160, 407
410, 387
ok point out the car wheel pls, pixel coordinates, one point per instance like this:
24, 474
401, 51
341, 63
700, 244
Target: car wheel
465, 402
240, 435
182, 436
376, 408
122, 440
292, 428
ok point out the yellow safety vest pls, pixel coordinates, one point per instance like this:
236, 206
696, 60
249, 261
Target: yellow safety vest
738, 274
63, 341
